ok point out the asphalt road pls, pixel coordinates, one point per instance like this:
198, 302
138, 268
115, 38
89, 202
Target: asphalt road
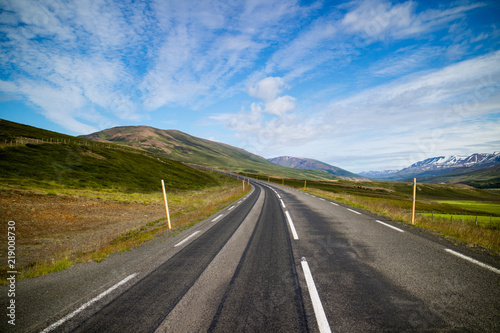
284, 261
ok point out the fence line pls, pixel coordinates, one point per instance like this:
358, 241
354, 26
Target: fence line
22, 141
476, 219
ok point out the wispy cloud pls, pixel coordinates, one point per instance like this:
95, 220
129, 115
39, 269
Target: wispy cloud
430, 113
404, 61
319, 77
379, 20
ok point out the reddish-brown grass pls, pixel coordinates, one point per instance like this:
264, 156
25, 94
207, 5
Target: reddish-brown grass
59, 230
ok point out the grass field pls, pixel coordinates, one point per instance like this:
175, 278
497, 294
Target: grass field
483, 221
492, 208
457, 204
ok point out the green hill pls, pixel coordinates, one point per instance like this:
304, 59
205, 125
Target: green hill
485, 178
81, 163
184, 147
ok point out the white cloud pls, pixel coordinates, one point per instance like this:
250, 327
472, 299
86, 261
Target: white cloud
420, 115
379, 20
267, 88
339, 40
280, 105
456, 108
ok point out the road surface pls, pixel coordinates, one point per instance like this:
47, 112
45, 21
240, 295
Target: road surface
278, 260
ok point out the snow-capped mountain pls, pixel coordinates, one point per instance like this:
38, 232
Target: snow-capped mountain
455, 161
378, 174
435, 166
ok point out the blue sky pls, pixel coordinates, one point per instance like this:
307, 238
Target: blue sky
363, 85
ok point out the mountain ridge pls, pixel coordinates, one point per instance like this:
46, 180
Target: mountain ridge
184, 147
450, 169
312, 164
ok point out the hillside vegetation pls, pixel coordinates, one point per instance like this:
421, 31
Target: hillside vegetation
184, 147
76, 200
485, 178
82, 164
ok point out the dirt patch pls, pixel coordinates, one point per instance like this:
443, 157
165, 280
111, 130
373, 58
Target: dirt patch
94, 155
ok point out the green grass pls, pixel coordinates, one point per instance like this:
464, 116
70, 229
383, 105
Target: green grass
9, 131
487, 222
46, 267
477, 206
90, 165
75, 166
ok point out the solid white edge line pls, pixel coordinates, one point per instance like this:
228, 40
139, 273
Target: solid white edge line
390, 226
354, 211
491, 268
292, 227
187, 238
89, 303
282, 203
333, 203
218, 217
319, 312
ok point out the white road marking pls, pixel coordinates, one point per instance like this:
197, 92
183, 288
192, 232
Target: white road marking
282, 203
218, 217
231, 207
390, 226
239, 202
278, 195
292, 227
187, 238
354, 211
319, 312
333, 203
322, 199
89, 303
491, 268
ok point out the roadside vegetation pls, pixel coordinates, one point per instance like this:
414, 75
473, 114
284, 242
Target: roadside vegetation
58, 228
78, 201
460, 212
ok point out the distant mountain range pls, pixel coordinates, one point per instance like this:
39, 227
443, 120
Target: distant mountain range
472, 169
183, 147
307, 163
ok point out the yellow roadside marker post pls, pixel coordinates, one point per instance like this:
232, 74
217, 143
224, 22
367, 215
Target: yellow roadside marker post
414, 199
166, 204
